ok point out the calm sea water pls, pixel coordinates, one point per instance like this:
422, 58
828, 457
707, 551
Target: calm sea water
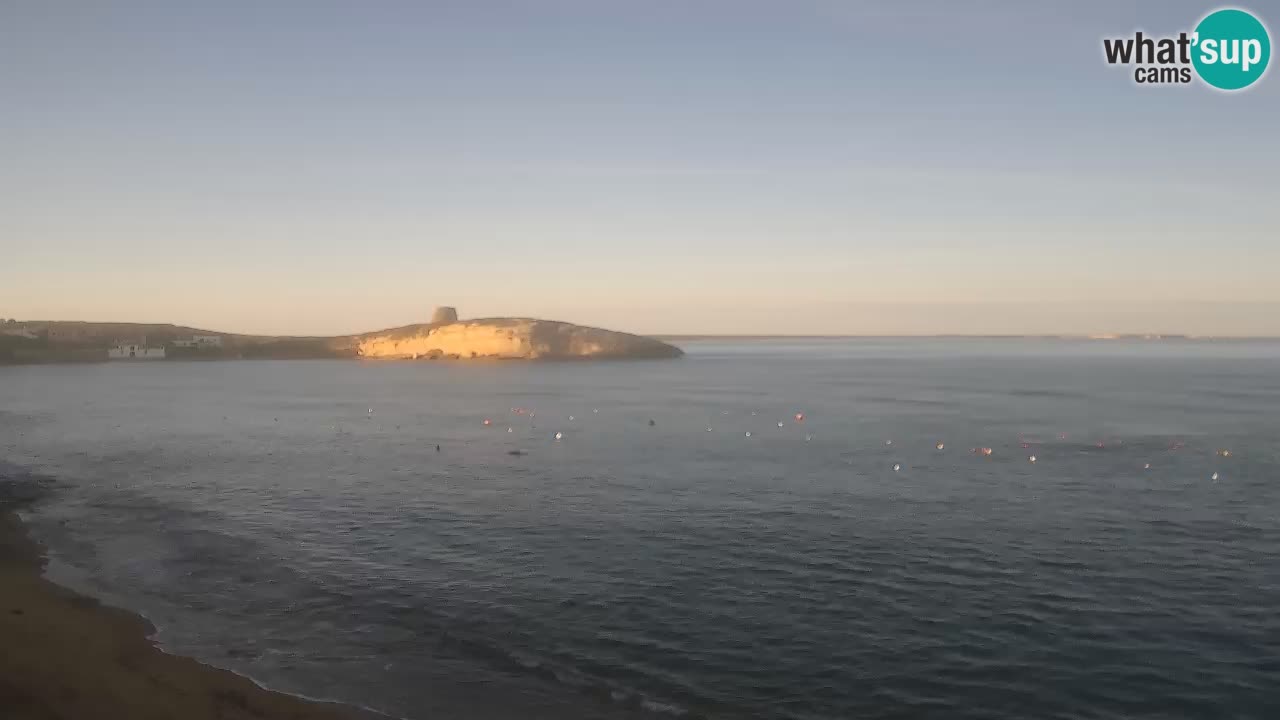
294, 521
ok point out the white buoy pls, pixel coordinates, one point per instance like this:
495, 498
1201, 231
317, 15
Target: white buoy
559, 435
595, 410
1215, 476
1032, 458
708, 428
748, 433
508, 429
939, 446
779, 424
1146, 466
570, 418
896, 467
807, 438
888, 442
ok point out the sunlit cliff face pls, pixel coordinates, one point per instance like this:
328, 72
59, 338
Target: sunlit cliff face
509, 339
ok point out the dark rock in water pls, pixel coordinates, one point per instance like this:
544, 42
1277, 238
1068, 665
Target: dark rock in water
652, 423
515, 452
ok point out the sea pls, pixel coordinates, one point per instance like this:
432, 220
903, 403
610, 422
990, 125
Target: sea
791, 529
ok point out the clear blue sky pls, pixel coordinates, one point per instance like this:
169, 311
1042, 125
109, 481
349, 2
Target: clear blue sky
652, 165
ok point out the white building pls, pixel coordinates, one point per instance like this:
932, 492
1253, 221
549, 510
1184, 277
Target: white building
134, 351
19, 332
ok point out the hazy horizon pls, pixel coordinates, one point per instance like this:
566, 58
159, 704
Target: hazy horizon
757, 168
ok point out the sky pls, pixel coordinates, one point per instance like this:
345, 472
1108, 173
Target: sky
655, 166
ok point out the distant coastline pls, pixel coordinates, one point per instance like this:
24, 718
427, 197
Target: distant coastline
72, 341
444, 338
57, 341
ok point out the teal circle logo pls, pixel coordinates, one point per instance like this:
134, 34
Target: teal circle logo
1231, 49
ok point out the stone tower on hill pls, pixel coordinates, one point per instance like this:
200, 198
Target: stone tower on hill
444, 314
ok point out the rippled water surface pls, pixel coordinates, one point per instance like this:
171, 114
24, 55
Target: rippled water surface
294, 521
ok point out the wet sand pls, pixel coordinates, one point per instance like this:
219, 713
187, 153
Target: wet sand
64, 656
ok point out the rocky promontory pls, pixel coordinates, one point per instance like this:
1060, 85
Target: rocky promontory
444, 337
507, 339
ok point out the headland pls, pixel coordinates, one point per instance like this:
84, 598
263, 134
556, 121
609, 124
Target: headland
445, 337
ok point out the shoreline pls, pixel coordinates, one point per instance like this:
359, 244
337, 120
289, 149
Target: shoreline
68, 656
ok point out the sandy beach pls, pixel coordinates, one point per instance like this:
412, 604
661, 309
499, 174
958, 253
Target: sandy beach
64, 656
